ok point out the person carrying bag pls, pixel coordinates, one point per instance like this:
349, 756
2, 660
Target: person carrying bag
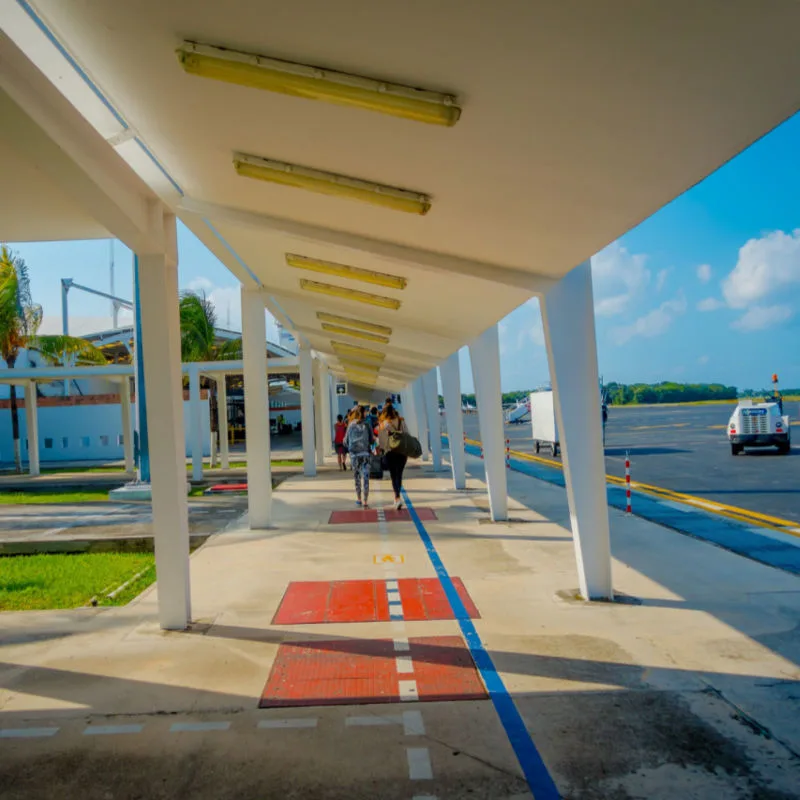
397, 445
359, 440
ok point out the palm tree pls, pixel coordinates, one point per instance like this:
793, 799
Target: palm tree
198, 319
20, 319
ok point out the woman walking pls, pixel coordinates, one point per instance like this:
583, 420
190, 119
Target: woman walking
359, 440
340, 429
390, 422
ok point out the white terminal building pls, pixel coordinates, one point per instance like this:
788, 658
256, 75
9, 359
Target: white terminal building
388, 181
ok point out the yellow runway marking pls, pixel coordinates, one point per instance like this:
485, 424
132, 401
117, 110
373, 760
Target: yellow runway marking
731, 512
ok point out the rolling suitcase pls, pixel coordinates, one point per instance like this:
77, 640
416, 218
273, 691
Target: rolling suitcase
375, 467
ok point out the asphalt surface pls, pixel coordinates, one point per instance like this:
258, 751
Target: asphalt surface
685, 449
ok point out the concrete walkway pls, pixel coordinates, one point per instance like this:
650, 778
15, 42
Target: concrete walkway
689, 689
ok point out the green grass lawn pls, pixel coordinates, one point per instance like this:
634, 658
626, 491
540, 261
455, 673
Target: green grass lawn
69, 581
14, 497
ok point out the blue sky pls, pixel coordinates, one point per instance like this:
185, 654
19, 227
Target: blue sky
706, 290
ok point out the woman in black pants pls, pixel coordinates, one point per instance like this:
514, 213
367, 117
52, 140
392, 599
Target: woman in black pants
391, 421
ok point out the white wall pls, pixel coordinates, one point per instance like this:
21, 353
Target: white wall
83, 433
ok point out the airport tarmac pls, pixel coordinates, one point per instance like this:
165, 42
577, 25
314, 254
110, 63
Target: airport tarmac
685, 449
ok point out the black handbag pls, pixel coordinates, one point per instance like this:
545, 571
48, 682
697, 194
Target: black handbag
404, 444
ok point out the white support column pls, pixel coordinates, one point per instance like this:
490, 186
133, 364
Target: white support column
32, 425
222, 408
319, 433
410, 412
195, 423
333, 400
451, 390
161, 352
569, 328
256, 409
327, 423
307, 411
430, 386
127, 426
422, 417
484, 355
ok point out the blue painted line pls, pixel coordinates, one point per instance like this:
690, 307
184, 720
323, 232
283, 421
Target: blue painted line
533, 767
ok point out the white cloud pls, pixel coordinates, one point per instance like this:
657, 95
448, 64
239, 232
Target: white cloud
710, 304
760, 317
617, 277
227, 301
703, 360
766, 266
661, 279
654, 323
83, 325
704, 273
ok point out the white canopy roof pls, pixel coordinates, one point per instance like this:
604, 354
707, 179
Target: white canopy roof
578, 121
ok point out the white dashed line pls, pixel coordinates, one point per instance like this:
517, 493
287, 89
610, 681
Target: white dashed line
372, 721
27, 733
187, 727
703, 504
390, 573
413, 724
394, 596
404, 665
112, 730
408, 691
419, 764
398, 625
401, 644
305, 722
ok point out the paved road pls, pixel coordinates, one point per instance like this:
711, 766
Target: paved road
684, 448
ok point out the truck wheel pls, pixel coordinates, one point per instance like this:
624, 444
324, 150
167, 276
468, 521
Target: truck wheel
784, 449
537, 447
554, 449
736, 449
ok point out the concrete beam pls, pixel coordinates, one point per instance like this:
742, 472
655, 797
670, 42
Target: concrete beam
428, 260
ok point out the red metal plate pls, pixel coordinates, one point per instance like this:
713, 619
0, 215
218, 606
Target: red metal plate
425, 514
360, 515
353, 516
359, 671
313, 602
219, 488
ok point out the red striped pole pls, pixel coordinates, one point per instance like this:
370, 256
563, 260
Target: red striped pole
508, 453
628, 483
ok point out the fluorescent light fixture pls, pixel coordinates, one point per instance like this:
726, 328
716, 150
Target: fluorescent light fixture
313, 83
358, 352
349, 322
343, 271
340, 331
264, 169
350, 294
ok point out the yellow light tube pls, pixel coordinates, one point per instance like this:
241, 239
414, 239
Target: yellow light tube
370, 337
350, 294
360, 352
358, 365
264, 169
349, 322
313, 83
343, 271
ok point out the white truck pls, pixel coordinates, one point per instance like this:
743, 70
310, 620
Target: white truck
759, 425
543, 422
